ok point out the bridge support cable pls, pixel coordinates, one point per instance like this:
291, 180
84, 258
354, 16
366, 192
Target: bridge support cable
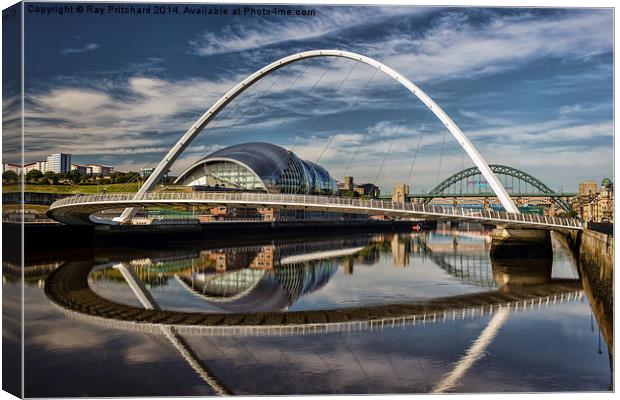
417, 150
314, 118
251, 130
312, 121
443, 145
215, 138
357, 149
179, 343
474, 353
353, 355
242, 115
191, 133
129, 213
318, 159
462, 167
226, 113
374, 182
317, 116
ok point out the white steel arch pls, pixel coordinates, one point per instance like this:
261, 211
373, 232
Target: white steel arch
195, 129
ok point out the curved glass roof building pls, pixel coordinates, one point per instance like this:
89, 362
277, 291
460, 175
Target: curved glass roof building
261, 167
255, 290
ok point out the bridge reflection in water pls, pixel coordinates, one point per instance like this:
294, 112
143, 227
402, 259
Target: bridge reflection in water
253, 286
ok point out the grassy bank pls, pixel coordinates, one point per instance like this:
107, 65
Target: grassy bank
7, 208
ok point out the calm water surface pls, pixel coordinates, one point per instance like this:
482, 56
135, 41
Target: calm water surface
547, 339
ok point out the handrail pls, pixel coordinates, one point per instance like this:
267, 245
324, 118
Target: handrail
314, 200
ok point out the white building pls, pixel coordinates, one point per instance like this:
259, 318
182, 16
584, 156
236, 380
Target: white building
38, 165
12, 167
146, 172
59, 163
100, 170
81, 169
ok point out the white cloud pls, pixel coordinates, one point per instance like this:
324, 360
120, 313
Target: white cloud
572, 110
78, 118
88, 47
485, 119
239, 38
457, 48
11, 128
74, 101
542, 133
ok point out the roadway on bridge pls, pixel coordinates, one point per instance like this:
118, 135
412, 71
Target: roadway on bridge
78, 210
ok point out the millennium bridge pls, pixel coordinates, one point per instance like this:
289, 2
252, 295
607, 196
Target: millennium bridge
77, 210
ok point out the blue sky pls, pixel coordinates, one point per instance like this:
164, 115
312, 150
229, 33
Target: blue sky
532, 88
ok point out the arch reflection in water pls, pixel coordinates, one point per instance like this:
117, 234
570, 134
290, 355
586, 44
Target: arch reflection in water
68, 288
292, 273
269, 278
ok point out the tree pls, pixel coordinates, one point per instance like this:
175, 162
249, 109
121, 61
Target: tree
605, 182
74, 176
9, 176
119, 177
348, 193
123, 177
34, 175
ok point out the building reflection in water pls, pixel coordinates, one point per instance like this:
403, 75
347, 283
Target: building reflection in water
251, 278
260, 290
273, 277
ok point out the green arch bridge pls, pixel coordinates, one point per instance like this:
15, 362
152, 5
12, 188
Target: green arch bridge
470, 182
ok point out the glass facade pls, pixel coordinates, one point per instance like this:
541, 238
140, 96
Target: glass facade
225, 174
259, 166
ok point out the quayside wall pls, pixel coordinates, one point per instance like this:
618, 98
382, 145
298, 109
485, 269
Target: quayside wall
595, 252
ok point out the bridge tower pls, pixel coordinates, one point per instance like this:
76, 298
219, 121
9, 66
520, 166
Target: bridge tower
485, 204
400, 193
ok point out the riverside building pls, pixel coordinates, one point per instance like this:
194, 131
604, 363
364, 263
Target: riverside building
266, 168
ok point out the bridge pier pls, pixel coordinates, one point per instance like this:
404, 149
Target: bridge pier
521, 243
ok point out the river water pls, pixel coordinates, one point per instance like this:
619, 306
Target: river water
468, 323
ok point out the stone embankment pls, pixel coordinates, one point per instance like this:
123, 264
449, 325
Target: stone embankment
595, 251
